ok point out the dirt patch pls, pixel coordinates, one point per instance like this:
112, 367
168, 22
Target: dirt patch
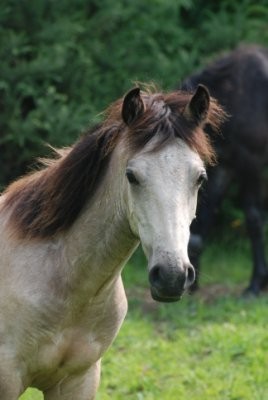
143, 297
207, 294
210, 293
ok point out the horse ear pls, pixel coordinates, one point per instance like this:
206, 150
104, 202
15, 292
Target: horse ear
197, 108
133, 106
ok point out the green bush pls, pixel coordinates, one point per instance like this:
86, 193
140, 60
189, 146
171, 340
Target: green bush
62, 62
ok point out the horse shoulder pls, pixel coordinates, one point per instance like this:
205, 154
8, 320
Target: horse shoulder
104, 315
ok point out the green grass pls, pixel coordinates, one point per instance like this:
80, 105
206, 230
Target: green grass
209, 346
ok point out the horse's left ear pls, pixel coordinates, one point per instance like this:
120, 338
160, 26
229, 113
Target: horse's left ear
133, 106
197, 108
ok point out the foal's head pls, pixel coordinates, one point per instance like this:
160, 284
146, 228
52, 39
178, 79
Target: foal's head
163, 177
161, 140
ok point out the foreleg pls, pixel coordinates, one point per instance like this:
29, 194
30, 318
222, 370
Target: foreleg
254, 221
10, 383
210, 200
80, 387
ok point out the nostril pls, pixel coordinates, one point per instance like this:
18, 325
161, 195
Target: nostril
154, 275
190, 275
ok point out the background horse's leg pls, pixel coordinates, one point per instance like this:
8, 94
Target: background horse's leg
254, 221
210, 200
80, 387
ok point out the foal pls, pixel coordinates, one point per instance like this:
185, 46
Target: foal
67, 230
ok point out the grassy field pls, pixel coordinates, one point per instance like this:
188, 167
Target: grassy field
212, 345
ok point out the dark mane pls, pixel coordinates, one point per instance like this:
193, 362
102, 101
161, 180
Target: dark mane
210, 74
48, 201
225, 73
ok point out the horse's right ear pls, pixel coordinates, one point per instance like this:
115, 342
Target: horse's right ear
133, 106
197, 108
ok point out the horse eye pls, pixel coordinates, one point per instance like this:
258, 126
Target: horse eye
131, 177
201, 179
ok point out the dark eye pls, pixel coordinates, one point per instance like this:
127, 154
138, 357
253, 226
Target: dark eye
201, 179
131, 177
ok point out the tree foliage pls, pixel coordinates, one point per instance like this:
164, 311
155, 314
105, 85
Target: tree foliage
62, 62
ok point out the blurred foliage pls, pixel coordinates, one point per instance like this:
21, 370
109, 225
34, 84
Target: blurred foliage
62, 62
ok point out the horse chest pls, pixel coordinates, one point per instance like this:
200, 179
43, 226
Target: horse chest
75, 348
68, 352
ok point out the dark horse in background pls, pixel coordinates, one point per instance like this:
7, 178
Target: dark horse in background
239, 80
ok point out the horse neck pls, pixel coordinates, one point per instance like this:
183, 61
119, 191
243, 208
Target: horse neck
100, 241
